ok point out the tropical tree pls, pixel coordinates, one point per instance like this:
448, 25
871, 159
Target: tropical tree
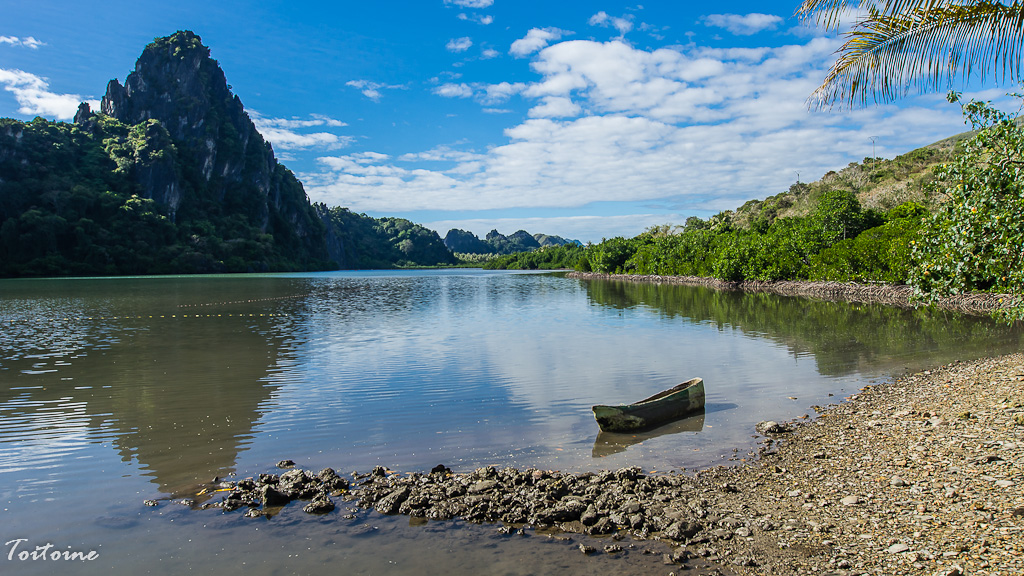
895, 45
975, 240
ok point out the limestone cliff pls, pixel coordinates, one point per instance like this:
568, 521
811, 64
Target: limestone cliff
225, 159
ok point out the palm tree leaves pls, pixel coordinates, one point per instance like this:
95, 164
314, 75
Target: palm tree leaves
897, 45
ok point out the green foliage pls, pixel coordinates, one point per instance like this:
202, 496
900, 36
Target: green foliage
974, 241
383, 242
70, 204
565, 256
837, 240
879, 254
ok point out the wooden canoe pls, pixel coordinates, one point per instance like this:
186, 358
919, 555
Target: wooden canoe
665, 406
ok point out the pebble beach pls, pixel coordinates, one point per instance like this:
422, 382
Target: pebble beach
921, 475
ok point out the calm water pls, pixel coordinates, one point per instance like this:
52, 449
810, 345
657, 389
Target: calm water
113, 391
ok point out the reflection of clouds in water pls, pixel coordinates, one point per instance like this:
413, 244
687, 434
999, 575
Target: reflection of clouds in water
613, 359
486, 367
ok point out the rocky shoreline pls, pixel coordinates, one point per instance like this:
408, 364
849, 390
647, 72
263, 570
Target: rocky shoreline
901, 296
920, 475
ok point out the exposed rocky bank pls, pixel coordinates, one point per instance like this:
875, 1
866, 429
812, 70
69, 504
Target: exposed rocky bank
921, 475
899, 295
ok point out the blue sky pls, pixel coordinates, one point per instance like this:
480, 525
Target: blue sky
581, 119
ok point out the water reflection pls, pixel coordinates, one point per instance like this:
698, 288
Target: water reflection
112, 391
184, 376
608, 443
842, 338
175, 392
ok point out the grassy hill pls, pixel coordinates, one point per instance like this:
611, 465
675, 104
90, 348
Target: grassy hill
878, 184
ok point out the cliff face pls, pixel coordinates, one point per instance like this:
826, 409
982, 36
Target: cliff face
225, 159
173, 177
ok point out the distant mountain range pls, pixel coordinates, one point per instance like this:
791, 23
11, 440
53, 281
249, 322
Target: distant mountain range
463, 242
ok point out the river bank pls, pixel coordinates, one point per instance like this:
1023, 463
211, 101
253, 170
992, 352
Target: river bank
920, 475
901, 296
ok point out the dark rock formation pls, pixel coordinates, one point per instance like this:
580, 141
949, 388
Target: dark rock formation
496, 243
466, 242
223, 162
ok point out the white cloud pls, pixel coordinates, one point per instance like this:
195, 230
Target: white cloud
555, 107
34, 96
454, 90
284, 133
501, 92
686, 129
459, 44
372, 90
28, 42
623, 25
743, 24
489, 53
477, 4
478, 18
536, 39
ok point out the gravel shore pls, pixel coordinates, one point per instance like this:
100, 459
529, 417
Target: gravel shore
923, 475
920, 475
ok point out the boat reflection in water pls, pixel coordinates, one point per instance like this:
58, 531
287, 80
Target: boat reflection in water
608, 443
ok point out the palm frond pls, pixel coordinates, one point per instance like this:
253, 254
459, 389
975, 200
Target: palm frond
830, 13
885, 56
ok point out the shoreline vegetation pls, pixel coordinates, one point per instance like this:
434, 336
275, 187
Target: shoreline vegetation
899, 295
922, 475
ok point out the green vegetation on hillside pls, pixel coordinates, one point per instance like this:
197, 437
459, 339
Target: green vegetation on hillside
173, 177
69, 206
383, 242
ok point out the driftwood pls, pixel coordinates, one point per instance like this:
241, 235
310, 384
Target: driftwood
901, 296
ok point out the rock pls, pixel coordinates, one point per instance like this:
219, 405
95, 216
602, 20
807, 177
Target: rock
390, 503
850, 501
682, 530
320, 505
285, 464
897, 548
772, 427
897, 481
589, 516
1004, 483
84, 114
150, 502
271, 496
612, 549
483, 486
331, 479
587, 549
